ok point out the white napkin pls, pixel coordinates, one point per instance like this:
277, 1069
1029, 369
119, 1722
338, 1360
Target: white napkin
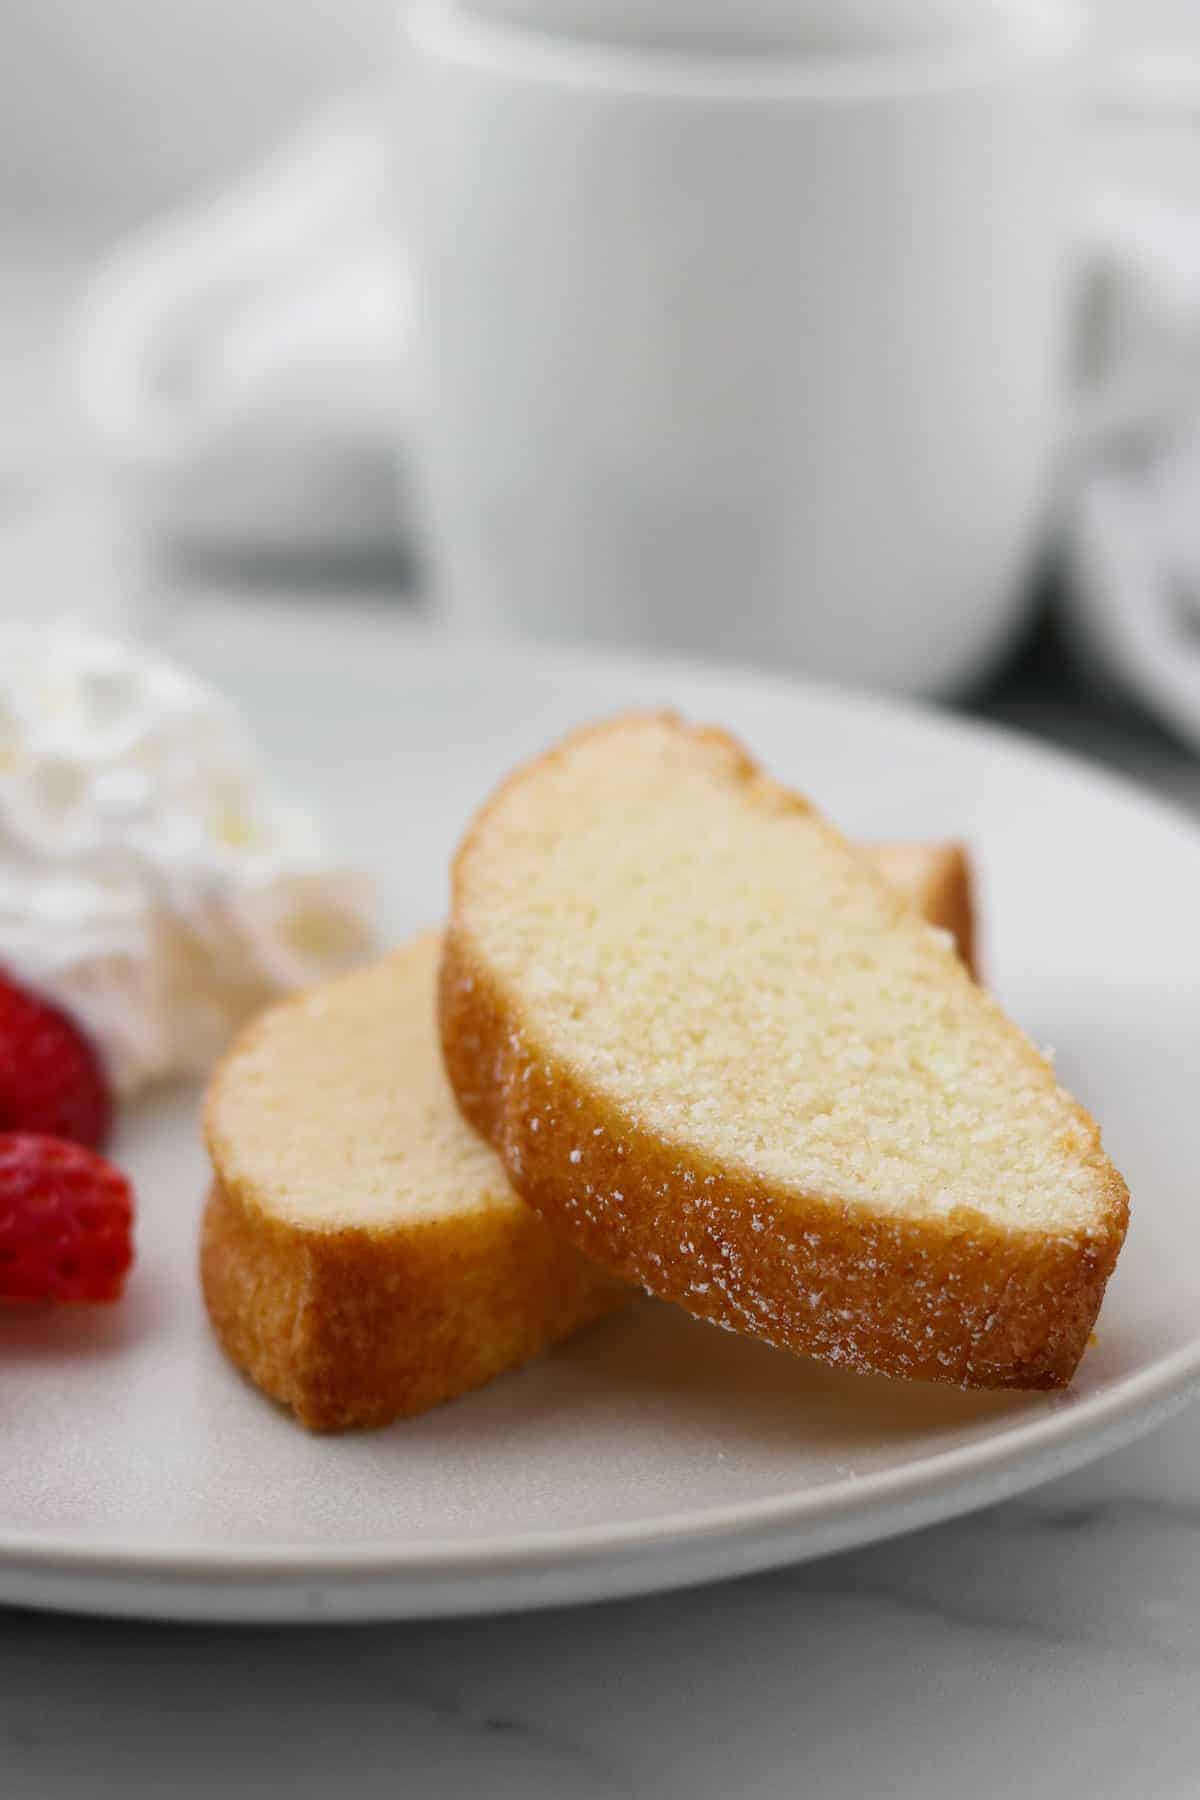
250, 365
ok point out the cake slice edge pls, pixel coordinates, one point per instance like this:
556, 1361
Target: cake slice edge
952, 1298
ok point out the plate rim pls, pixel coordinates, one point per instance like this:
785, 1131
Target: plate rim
1140, 1401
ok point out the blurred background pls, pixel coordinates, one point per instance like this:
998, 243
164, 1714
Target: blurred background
109, 114
119, 125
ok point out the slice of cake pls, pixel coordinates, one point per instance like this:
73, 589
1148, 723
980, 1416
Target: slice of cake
363, 1255
722, 1056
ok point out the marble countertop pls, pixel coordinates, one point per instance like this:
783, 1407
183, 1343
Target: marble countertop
1050, 1646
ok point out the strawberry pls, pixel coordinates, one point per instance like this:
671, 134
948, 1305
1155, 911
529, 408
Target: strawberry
66, 1218
51, 1079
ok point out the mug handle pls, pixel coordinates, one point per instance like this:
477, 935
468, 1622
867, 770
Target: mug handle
172, 277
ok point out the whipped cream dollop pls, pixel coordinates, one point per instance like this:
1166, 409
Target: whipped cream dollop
152, 881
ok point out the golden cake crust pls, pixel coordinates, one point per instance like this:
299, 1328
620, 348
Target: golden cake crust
352, 1328
351, 1323
937, 880
952, 1298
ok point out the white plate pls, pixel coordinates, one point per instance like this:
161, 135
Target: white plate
139, 1474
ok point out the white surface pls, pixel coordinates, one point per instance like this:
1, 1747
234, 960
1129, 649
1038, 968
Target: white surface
140, 1473
110, 117
108, 112
770, 359
821, 27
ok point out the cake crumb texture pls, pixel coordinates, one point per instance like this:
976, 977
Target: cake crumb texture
363, 1256
715, 1047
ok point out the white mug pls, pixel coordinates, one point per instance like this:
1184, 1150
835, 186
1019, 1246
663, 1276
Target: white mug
757, 350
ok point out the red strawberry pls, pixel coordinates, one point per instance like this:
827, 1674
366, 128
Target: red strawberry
66, 1218
51, 1080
